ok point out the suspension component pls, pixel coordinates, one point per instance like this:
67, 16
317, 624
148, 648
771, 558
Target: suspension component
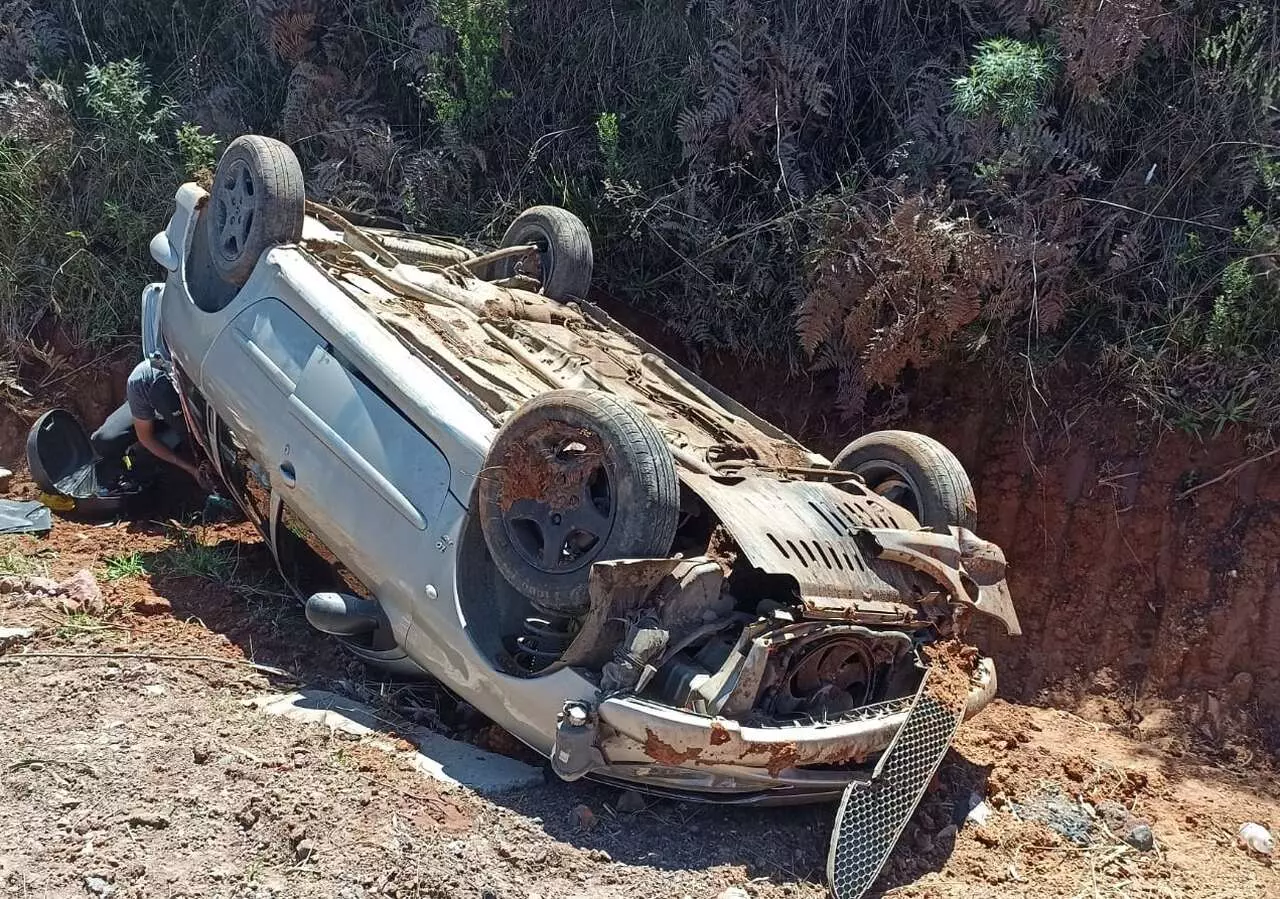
543, 641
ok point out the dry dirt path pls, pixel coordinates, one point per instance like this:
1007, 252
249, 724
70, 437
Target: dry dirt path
133, 777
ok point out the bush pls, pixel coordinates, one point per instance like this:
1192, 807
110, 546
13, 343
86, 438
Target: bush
87, 183
896, 178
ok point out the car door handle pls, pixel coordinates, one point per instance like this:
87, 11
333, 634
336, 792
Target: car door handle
287, 474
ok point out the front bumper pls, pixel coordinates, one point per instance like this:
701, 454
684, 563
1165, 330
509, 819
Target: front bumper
659, 749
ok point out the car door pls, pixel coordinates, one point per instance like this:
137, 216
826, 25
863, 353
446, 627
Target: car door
248, 375
344, 466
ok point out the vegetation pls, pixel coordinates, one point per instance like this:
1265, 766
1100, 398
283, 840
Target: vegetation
16, 563
190, 557
864, 189
123, 565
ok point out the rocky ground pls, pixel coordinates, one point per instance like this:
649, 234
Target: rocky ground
133, 765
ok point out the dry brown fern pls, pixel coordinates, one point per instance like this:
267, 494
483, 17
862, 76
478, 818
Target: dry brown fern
1102, 42
893, 284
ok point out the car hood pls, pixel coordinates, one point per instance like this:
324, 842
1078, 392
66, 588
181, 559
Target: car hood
853, 555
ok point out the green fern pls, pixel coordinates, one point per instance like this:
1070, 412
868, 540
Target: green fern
1008, 79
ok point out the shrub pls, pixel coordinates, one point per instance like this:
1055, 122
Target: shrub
1008, 79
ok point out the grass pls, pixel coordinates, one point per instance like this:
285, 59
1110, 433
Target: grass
15, 563
191, 558
123, 565
78, 624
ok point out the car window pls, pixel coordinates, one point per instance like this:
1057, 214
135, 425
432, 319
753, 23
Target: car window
280, 335
361, 421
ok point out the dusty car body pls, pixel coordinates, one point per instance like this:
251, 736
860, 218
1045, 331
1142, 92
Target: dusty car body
349, 393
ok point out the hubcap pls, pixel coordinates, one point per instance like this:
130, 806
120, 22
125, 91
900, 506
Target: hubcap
234, 207
566, 523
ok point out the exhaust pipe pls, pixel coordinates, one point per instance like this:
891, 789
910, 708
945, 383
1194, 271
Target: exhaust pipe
343, 615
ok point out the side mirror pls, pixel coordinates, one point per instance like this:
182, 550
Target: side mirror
163, 253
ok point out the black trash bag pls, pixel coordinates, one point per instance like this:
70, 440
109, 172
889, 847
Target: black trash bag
24, 517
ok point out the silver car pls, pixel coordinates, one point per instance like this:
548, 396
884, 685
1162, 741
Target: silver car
466, 469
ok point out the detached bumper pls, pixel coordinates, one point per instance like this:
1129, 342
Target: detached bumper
667, 749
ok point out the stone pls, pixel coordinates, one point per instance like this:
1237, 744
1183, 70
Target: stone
11, 583
153, 820
81, 593
734, 893
153, 605
583, 816
630, 801
15, 634
1140, 837
40, 585
99, 887
304, 850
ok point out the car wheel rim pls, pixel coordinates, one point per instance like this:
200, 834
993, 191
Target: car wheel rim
566, 525
235, 202
890, 481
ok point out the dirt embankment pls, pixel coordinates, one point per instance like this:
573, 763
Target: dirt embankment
1136, 591
1135, 596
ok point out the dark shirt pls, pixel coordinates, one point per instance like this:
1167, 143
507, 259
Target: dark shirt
150, 393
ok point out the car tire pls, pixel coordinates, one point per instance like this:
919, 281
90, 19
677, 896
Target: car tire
575, 477
564, 245
257, 201
915, 472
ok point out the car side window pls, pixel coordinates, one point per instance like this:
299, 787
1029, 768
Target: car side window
362, 426
283, 339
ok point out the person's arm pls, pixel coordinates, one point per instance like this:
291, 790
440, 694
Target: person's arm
146, 431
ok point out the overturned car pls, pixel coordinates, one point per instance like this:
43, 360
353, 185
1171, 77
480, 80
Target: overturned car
467, 469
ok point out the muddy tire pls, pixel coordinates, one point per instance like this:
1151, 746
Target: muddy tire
915, 472
257, 201
564, 250
575, 477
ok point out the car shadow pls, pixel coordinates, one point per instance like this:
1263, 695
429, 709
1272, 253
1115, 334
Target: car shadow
223, 577
783, 844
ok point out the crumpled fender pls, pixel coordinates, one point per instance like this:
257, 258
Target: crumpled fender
971, 569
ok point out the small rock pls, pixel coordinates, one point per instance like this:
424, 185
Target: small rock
148, 819
1140, 837
734, 893
599, 855
247, 817
947, 834
155, 689
1113, 814
583, 816
81, 591
14, 634
201, 753
43, 585
11, 583
153, 605
1256, 838
630, 801
980, 813
297, 833
986, 836
99, 887
304, 850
